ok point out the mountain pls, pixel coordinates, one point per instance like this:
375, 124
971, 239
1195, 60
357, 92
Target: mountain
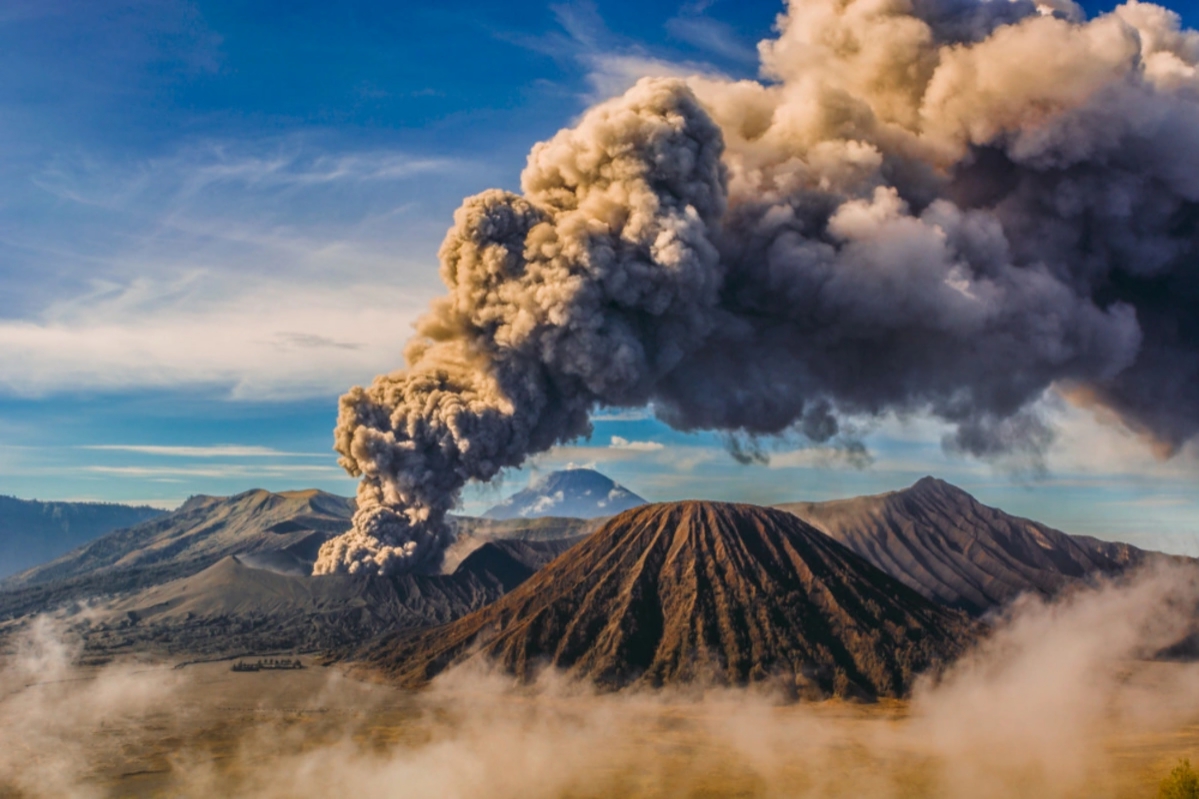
232, 609
675, 592
291, 524
575, 493
33, 532
942, 542
278, 532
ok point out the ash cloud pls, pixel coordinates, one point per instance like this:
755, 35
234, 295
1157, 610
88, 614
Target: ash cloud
943, 207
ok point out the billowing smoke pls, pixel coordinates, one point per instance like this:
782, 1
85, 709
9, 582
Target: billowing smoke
935, 206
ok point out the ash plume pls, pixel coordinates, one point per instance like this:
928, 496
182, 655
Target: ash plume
937, 206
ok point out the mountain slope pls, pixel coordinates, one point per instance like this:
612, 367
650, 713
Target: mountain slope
696, 590
942, 542
575, 493
33, 532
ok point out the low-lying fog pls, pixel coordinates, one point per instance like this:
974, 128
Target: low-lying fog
1058, 702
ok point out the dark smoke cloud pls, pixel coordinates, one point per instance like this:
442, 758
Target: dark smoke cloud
947, 207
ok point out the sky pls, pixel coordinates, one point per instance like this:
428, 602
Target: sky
217, 216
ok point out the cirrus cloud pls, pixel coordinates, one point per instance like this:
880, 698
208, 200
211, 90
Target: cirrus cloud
618, 442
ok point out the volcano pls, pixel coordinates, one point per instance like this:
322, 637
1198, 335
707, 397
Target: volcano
700, 591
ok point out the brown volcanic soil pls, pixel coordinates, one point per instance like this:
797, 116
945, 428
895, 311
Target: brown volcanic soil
677, 592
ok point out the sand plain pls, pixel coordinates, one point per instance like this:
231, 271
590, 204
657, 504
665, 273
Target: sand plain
204, 730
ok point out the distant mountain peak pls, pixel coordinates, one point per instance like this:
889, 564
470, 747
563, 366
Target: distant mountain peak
575, 493
935, 486
946, 544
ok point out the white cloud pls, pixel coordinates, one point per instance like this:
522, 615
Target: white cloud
812, 457
279, 269
713, 36
614, 63
1092, 444
611, 74
543, 504
672, 458
292, 168
635, 446
239, 172
230, 470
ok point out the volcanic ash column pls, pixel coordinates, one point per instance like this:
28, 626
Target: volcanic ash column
587, 289
941, 207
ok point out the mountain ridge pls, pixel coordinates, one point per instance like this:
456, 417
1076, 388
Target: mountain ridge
941, 541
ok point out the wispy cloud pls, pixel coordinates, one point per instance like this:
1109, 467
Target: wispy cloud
311, 341
222, 470
300, 162
671, 458
821, 457
270, 269
216, 451
613, 63
612, 73
710, 35
292, 166
170, 503
1089, 443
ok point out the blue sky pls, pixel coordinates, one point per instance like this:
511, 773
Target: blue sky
216, 216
